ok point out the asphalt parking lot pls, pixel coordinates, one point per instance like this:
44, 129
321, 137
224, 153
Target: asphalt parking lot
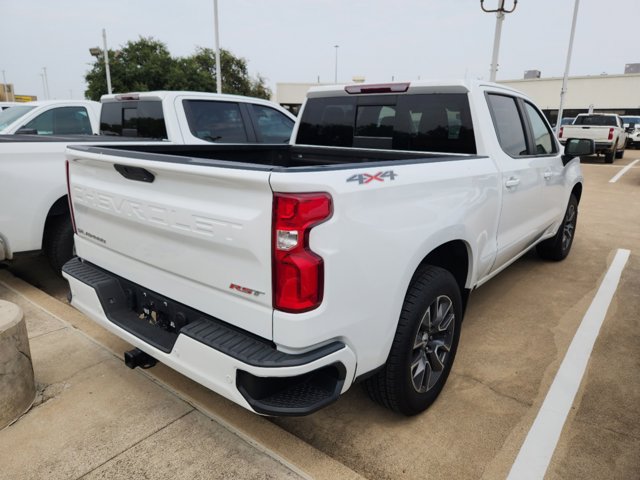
517, 330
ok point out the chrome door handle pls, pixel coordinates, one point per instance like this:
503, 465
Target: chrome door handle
547, 174
512, 182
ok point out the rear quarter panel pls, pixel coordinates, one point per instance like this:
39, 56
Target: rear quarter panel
379, 233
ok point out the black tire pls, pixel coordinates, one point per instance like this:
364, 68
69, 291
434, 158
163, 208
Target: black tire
58, 241
557, 247
620, 153
609, 156
418, 340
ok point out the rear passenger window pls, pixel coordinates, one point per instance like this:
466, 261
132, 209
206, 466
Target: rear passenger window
425, 122
133, 118
508, 124
328, 121
273, 126
215, 121
543, 140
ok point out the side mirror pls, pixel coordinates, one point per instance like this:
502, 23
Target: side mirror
578, 147
631, 128
26, 131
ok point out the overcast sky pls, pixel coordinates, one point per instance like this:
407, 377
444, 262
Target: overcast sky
293, 40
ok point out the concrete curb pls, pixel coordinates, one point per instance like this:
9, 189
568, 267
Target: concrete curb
267, 437
17, 385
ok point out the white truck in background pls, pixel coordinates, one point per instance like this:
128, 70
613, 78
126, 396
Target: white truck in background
51, 117
632, 124
605, 129
34, 212
279, 276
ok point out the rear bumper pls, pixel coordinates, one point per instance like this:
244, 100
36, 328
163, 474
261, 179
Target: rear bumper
246, 369
604, 146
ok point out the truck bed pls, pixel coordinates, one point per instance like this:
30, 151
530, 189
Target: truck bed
268, 157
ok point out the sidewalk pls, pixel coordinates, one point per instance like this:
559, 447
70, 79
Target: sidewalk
94, 418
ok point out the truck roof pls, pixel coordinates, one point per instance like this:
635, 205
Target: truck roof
414, 86
170, 94
46, 103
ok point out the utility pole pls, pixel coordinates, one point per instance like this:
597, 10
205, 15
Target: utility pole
335, 78
106, 60
45, 81
563, 91
217, 32
500, 13
6, 88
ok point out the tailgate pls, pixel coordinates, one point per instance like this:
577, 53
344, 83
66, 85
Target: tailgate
597, 133
200, 235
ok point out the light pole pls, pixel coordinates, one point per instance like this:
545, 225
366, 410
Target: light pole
217, 32
566, 68
500, 13
106, 60
335, 78
104, 53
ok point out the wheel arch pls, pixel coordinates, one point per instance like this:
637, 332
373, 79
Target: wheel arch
454, 256
577, 191
59, 208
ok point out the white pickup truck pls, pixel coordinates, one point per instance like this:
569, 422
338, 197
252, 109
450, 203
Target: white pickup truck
34, 212
605, 129
280, 276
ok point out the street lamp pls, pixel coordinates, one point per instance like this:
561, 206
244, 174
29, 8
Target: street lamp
563, 90
99, 52
500, 13
335, 78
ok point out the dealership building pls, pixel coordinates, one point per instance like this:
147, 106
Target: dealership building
602, 93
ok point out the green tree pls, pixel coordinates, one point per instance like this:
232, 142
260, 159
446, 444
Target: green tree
146, 65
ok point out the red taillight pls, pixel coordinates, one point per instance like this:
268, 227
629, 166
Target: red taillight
560, 132
298, 273
73, 220
610, 134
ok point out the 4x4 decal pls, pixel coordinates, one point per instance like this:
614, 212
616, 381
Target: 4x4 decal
363, 178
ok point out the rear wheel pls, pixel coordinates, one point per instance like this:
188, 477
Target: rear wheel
620, 154
58, 241
558, 247
424, 346
608, 156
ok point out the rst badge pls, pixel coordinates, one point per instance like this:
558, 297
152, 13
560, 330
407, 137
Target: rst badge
364, 178
248, 291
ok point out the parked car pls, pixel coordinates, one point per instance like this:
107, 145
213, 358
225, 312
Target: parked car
32, 166
605, 129
632, 124
281, 275
51, 117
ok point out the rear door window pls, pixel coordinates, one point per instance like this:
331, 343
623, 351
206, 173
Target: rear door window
508, 124
215, 121
133, 118
417, 122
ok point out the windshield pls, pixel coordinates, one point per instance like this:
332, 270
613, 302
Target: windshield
10, 115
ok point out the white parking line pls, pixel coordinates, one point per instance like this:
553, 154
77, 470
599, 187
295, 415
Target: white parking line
623, 171
538, 447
